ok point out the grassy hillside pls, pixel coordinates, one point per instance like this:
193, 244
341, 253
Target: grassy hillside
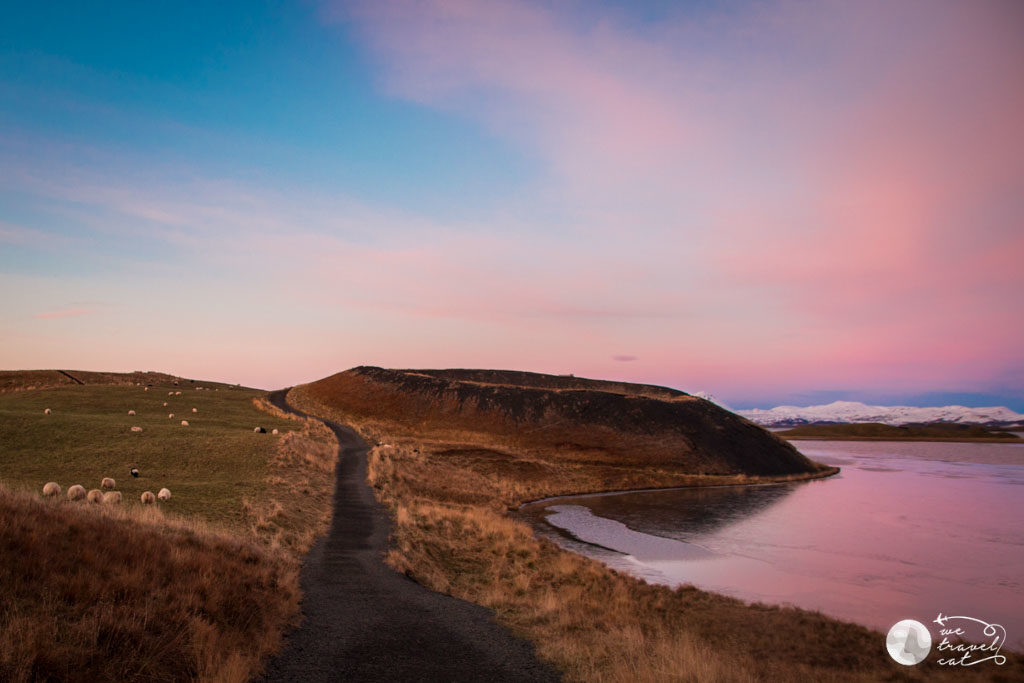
545, 426
912, 432
201, 586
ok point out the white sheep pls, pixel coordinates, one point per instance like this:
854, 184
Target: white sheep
170, 393
47, 411
274, 432
165, 404
145, 389
95, 496
184, 423
165, 494
108, 483
112, 497
170, 416
195, 410
147, 498
76, 492
51, 488
136, 428
177, 393
131, 412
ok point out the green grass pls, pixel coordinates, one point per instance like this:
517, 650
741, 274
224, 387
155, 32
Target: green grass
209, 466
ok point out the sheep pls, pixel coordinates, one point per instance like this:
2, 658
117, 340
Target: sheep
165, 404
260, 430
51, 488
145, 388
95, 496
170, 416
76, 492
177, 393
112, 497
274, 432
108, 483
131, 413
184, 423
136, 429
147, 498
170, 393
47, 411
134, 472
165, 494
195, 410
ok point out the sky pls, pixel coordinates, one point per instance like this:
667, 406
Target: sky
773, 201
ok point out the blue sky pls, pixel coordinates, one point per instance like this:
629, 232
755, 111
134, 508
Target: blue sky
770, 201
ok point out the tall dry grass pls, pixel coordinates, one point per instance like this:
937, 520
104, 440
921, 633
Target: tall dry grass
453, 534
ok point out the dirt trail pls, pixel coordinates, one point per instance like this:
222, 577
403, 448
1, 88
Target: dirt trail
363, 621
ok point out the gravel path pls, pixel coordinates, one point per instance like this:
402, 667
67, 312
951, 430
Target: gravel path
365, 622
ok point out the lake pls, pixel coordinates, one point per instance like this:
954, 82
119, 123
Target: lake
905, 531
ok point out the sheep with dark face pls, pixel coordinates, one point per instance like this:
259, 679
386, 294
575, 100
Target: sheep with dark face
260, 430
134, 472
47, 411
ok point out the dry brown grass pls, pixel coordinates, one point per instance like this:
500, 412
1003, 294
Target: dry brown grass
119, 593
449, 501
130, 593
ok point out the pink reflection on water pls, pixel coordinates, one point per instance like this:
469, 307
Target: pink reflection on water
904, 532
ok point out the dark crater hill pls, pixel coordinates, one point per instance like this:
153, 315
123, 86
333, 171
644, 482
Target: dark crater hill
561, 418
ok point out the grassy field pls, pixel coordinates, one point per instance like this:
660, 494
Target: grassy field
200, 587
914, 432
449, 500
209, 466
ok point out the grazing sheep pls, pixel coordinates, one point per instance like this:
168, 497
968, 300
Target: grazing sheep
195, 410
177, 393
184, 423
95, 496
260, 430
147, 498
112, 497
165, 404
134, 472
47, 411
131, 412
76, 492
170, 393
145, 389
51, 488
165, 494
170, 416
108, 483
136, 429
274, 432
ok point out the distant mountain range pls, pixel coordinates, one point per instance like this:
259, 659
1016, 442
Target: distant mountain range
845, 412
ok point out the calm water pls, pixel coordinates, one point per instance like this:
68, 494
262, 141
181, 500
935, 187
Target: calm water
905, 531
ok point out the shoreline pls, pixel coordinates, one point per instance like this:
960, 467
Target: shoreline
811, 476
1011, 442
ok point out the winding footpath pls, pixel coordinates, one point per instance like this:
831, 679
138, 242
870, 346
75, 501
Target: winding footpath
363, 621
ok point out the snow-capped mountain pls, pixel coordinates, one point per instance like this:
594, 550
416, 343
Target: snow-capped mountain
853, 411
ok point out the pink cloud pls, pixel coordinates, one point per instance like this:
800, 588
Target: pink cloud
66, 313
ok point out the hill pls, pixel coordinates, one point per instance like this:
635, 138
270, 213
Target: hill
558, 422
937, 431
841, 412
